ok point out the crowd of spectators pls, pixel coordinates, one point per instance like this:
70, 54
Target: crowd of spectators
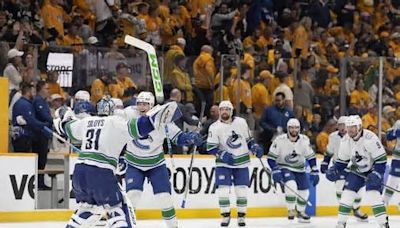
285, 57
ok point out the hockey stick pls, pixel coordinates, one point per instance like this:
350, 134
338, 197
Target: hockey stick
365, 178
183, 204
152, 57
286, 186
269, 175
48, 130
171, 156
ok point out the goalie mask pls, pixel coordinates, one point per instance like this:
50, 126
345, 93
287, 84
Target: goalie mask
105, 107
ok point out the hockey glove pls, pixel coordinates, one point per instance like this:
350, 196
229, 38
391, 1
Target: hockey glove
257, 150
195, 138
226, 157
314, 176
332, 174
277, 175
374, 181
325, 163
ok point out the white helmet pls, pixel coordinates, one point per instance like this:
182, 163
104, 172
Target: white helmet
342, 120
226, 104
353, 120
293, 122
118, 103
82, 95
105, 107
145, 97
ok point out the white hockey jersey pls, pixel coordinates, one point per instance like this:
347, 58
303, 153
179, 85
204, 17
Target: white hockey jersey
233, 138
103, 139
333, 144
148, 153
396, 151
291, 155
363, 153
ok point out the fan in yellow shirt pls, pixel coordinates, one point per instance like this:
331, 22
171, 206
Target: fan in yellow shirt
261, 96
359, 97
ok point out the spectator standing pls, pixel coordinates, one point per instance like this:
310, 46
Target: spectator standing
274, 119
12, 71
40, 143
370, 119
260, 94
303, 92
99, 87
180, 79
204, 71
54, 86
72, 39
173, 51
123, 81
322, 138
30, 72
359, 97
214, 116
56, 101
284, 88
54, 17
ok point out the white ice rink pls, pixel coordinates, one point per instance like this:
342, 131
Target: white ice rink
320, 222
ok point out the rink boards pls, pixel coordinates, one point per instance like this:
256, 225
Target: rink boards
17, 198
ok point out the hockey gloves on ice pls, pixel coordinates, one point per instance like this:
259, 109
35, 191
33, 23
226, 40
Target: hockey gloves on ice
333, 174
374, 180
324, 167
226, 157
277, 175
314, 176
257, 150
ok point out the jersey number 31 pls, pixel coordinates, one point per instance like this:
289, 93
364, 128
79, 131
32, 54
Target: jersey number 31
92, 139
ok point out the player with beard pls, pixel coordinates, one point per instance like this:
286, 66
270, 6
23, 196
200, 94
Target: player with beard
368, 157
229, 139
331, 153
287, 158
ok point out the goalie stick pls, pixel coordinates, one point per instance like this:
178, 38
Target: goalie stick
152, 57
203, 107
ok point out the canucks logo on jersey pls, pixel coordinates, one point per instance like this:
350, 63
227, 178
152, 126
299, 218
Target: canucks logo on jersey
233, 141
360, 160
139, 143
292, 158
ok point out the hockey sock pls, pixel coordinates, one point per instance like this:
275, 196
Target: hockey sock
393, 182
339, 184
290, 197
346, 205
301, 204
223, 199
167, 209
378, 208
241, 198
134, 197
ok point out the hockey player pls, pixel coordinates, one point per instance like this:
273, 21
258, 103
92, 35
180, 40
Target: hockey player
332, 154
230, 141
103, 138
364, 149
287, 158
145, 159
394, 174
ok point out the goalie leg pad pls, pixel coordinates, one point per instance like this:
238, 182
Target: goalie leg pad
116, 216
87, 215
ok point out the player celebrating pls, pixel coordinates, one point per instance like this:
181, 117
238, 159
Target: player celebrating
394, 174
103, 138
332, 154
229, 140
364, 149
145, 158
287, 159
